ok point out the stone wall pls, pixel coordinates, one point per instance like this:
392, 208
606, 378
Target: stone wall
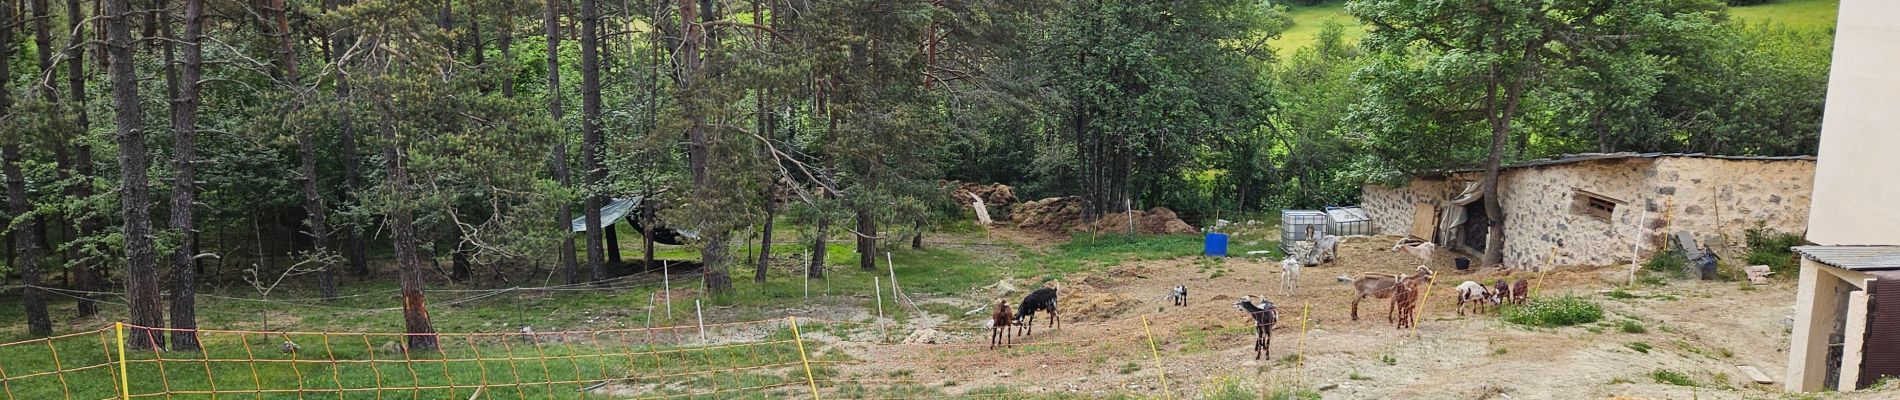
1719, 200
1715, 199
1542, 226
1391, 208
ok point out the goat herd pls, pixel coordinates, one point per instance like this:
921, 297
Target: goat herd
1403, 291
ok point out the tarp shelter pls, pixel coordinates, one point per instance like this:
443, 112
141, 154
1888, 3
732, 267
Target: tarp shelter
614, 211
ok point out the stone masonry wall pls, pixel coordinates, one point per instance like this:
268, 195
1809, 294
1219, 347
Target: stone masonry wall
1391, 208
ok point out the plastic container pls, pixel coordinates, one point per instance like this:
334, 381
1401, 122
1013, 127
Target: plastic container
1294, 223
1215, 245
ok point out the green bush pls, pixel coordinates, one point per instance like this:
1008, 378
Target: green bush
1640, 347
1671, 377
1772, 248
1554, 312
1633, 327
1667, 262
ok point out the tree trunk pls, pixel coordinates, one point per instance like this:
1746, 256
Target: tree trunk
693, 37
354, 247
612, 235
85, 277
184, 317
867, 239
141, 281
593, 173
26, 241
316, 217
1500, 116
917, 236
818, 245
765, 239
505, 40
402, 228
551, 23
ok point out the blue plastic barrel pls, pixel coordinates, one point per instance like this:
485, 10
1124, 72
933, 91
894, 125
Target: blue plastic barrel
1216, 244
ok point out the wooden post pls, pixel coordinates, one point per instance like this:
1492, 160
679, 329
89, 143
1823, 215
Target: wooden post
1636, 242
877, 289
702, 320
803, 256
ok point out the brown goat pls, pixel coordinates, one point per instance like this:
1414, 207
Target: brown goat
1520, 290
1376, 285
999, 324
1405, 297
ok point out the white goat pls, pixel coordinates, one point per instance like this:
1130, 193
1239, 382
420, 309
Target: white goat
1477, 294
1290, 274
1417, 248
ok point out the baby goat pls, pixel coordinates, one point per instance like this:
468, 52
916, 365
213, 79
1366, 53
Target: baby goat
1420, 249
1264, 316
1043, 299
999, 324
1477, 294
1290, 274
1178, 296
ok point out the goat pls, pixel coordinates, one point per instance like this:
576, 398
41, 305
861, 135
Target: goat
1375, 285
1420, 249
999, 324
1477, 294
1406, 295
1290, 274
1325, 247
1264, 316
1178, 296
1503, 290
1043, 299
1520, 290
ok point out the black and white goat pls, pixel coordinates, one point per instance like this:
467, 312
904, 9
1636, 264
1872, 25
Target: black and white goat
1264, 316
1477, 295
1178, 296
1043, 299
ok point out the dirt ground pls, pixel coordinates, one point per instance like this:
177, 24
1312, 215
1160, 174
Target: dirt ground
1700, 329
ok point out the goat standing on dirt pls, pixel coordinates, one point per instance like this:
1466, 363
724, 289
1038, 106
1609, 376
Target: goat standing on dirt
1178, 296
1375, 285
1264, 316
1420, 249
1290, 274
1406, 295
999, 324
1477, 294
1043, 299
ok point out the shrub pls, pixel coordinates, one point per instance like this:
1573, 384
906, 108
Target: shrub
1388, 359
1633, 327
1640, 347
1671, 377
1554, 312
1771, 248
1667, 262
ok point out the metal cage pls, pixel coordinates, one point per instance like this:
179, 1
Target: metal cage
1293, 225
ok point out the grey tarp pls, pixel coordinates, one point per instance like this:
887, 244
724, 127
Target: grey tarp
618, 209
612, 212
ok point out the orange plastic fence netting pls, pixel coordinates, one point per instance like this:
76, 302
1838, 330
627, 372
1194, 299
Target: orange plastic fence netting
758, 359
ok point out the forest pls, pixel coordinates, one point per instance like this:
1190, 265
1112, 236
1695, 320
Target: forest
152, 147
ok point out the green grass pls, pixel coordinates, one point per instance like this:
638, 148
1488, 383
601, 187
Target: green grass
1553, 312
1640, 347
1307, 21
1671, 377
512, 366
1797, 14
1633, 327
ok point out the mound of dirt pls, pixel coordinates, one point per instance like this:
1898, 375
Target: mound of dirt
925, 336
1085, 302
995, 195
1054, 214
1155, 221
1064, 215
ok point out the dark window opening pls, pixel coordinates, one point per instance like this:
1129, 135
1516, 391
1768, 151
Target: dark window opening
1594, 205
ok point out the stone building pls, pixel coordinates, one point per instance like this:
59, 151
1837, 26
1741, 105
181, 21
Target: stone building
1600, 209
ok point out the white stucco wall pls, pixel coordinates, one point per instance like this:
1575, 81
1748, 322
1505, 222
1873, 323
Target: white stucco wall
1856, 194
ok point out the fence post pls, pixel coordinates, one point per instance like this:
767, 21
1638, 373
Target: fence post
125, 382
802, 359
1160, 372
1303, 311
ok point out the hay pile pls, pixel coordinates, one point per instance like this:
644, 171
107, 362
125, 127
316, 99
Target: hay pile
1155, 221
995, 195
1054, 214
1064, 215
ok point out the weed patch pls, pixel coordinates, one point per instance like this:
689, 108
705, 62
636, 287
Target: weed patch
1554, 312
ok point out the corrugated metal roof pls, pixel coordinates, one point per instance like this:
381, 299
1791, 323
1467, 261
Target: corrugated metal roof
1576, 158
1859, 258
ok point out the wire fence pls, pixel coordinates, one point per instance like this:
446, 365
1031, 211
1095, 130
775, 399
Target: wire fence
771, 359
781, 358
